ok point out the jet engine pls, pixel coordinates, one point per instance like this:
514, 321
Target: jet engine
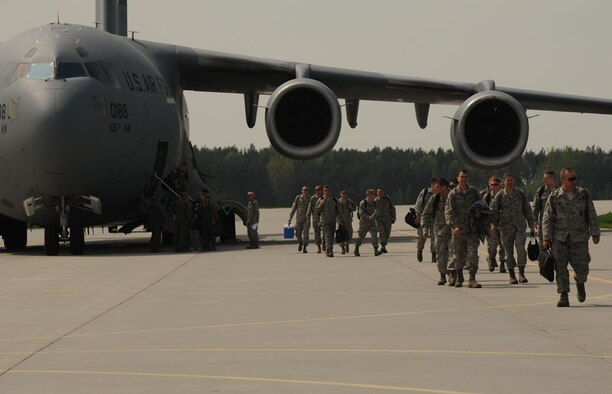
490, 130
303, 119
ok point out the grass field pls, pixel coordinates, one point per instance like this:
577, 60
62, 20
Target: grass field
605, 221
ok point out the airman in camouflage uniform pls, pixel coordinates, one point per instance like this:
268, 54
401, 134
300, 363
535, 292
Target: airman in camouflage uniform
493, 237
511, 213
327, 208
465, 240
302, 224
252, 221
419, 206
433, 218
569, 219
367, 214
313, 216
385, 218
346, 207
539, 202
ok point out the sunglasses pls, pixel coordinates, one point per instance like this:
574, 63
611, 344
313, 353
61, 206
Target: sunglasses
572, 179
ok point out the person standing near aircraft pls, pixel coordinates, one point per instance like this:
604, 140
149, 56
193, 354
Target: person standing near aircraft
208, 216
367, 214
569, 219
252, 221
313, 216
181, 214
511, 213
539, 202
327, 208
493, 237
419, 206
346, 207
156, 220
433, 218
302, 224
176, 179
385, 217
465, 240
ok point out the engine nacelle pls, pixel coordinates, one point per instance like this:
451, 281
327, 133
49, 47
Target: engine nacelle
303, 119
490, 130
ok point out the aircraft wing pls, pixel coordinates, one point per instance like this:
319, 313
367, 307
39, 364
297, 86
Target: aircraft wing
489, 129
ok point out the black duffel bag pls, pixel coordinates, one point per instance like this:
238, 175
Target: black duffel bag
411, 217
546, 261
533, 249
342, 234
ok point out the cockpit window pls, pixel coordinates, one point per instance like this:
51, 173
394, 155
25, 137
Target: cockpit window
95, 72
40, 71
70, 70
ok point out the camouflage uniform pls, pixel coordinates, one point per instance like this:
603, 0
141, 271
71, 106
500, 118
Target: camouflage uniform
512, 214
253, 218
419, 206
539, 202
385, 218
313, 217
302, 224
327, 208
433, 217
493, 237
367, 209
465, 247
568, 223
346, 207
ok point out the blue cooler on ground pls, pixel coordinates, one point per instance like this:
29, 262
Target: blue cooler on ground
289, 231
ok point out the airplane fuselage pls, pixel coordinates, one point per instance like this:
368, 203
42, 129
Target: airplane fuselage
83, 113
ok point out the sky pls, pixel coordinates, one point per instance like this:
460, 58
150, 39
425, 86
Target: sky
553, 46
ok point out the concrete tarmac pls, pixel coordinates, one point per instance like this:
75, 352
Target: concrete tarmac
272, 320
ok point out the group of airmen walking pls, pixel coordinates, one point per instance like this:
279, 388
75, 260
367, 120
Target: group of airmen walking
376, 214
458, 219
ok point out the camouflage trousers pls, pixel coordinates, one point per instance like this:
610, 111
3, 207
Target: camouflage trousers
441, 244
574, 253
349, 228
329, 231
316, 227
465, 252
421, 239
253, 235
493, 244
302, 227
384, 230
365, 227
514, 239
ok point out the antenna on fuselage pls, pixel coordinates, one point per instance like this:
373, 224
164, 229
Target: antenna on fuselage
58, 22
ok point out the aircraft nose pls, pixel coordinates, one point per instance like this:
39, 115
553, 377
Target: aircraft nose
59, 129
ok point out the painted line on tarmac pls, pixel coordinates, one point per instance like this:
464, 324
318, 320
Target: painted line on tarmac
241, 379
291, 321
331, 350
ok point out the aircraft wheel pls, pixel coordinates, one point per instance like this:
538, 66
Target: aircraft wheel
51, 241
16, 238
77, 240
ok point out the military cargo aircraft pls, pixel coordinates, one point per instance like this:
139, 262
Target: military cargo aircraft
91, 120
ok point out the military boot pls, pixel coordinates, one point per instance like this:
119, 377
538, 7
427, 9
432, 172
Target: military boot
357, 251
433, 257
502, 266
451, 278
383, 249
347, 248
442, 280
581, 292
304, 249
419, 255
343, 250
473, 284
492, 263
563, 301
318, 248
459, 280
512, 277
377, 252
300, 247
521, 277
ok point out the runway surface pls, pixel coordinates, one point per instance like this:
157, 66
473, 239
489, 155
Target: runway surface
273, 320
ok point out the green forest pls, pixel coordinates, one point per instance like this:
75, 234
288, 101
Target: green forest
403, 173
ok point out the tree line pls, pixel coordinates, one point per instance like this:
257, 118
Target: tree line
403, 173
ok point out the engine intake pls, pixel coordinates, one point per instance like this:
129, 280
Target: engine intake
490, 130
303, 119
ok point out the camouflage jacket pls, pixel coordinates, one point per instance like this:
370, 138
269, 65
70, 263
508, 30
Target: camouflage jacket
345, 210
312, 212
457, 208
300, 208
510, 210
385, 208
434, 215
253, 212
421, 201
327, 208
575, 218
539, 202
367, 209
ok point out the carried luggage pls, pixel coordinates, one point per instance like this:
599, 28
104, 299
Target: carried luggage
288, 231
547, 265
411, 217
342, 234
533, 249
